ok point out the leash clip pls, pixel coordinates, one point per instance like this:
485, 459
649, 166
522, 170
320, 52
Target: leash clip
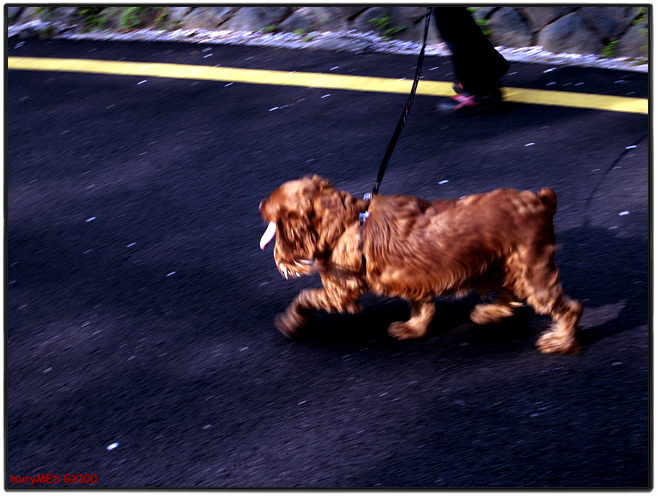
364, 215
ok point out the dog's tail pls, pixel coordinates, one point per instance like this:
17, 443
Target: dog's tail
548, 198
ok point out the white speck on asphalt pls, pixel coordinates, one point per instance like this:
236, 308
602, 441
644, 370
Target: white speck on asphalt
171, 274
142, 82
550, 70
325, 96
274, 108
625, 212
631, 147
334, 68
112, 446
48, 370
90, 219
529, 144
227, 85
131, 245
443, 182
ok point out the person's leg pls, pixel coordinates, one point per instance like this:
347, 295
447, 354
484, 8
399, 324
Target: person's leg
478, 66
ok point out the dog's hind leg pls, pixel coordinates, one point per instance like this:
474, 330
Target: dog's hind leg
562, 337
422, 312
496, 311
539, 285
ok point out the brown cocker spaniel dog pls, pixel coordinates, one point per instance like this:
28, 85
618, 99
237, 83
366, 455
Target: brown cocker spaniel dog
501, 242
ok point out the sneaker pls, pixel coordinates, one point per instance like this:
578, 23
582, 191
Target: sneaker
466, 103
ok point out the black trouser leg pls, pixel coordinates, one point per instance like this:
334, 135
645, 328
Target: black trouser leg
478, 66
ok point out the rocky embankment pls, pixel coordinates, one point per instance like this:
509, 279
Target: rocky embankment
609, 35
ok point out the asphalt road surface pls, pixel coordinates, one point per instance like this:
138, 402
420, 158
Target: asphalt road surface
141, 350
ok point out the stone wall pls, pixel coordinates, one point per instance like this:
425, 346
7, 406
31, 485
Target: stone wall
613, 31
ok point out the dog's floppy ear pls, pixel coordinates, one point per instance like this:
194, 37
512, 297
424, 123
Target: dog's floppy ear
296, 237
334, 211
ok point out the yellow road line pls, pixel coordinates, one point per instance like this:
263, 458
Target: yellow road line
319, 80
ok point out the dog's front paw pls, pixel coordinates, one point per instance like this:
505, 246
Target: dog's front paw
403, 330
289, 323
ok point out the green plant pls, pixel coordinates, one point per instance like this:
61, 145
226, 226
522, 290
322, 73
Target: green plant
383, 24
131, 17
46, 12
161, 17
609, 49
304, 34
93, 17
134, 17
47, 32
482, 22
484, 26
272, 28
641, 15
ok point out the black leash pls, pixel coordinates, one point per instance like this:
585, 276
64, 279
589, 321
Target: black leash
391, 145
405, 114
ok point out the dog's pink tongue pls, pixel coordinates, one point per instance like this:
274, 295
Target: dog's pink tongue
270, 232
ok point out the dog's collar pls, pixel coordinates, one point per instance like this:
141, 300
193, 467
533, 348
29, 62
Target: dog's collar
363, 216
